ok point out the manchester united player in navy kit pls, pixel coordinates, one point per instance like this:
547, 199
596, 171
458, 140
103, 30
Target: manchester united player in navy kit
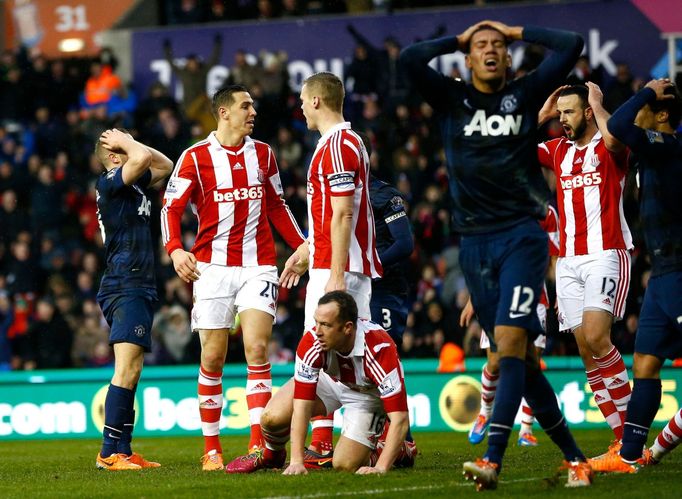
128, 288
647, 124
489, 133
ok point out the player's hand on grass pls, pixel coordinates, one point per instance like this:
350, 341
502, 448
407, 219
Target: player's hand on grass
295, 469
467, 314
370, 470
185, 264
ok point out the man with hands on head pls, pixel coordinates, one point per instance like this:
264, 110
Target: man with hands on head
490, 138
128, 288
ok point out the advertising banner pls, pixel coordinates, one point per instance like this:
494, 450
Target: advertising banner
324, 44
70, 403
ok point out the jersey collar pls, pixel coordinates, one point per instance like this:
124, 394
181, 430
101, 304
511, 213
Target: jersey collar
344, 125
217, 146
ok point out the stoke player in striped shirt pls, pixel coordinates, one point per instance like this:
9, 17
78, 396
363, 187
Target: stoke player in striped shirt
233, 185
593, 268
343, 361
341, 243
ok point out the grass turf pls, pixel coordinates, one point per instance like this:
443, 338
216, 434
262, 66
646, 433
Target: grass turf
66, 468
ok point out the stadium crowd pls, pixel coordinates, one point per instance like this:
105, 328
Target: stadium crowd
52, 112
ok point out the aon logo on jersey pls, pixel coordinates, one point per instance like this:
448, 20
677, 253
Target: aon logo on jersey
494, 125
584, 180
228, 196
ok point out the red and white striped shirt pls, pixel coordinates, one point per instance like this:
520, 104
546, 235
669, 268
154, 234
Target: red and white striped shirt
340, 167
372, 367
590, 183
234, 192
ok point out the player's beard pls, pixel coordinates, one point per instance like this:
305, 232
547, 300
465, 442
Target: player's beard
578, 131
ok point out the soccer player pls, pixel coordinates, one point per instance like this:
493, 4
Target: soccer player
593, 268
647, 124
490, 138
341, 245
233, 185
395, 244
491, 370
343, 361
128, 288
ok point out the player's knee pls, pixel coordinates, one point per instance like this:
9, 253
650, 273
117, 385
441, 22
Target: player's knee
257, 353
344, 465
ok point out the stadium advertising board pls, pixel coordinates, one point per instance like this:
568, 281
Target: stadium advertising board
70, 403
324, 44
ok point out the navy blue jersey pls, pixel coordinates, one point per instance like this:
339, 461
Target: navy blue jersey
124, 213
490, 140
658, 159
388, 208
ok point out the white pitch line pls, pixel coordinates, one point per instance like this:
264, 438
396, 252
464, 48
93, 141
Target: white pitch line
394, 489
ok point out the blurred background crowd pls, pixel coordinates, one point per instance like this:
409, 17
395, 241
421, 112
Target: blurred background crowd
53, 110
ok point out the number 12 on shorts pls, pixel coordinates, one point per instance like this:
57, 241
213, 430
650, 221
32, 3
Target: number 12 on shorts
521, 302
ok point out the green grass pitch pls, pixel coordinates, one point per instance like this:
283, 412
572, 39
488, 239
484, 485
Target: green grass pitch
66, 468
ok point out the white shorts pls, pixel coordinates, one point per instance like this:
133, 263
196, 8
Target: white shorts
222, 292
359, 286
540, 341
592, 282
363, 413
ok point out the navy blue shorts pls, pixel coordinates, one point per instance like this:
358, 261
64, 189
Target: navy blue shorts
505, 274
660, 320
130, 318
390, 312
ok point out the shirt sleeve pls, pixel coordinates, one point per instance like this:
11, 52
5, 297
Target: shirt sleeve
309, 361
341, 166
178, 192
399, 226
546, 152
279, 213
382, 365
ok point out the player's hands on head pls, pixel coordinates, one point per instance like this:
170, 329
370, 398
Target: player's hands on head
185, 264
370, 470
660, 86
115, 140
549, 110
295, 469
594, 96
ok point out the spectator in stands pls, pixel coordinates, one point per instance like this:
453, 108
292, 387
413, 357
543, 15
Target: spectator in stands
6, 319
194, 72
102, 85
49, 338
621, 88
13, 219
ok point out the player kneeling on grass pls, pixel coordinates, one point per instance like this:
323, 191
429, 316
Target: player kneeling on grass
342, 362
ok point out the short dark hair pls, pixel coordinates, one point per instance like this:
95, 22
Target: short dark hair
673, 106
225, 97
348, 309
485, 27
100, 152
580, 90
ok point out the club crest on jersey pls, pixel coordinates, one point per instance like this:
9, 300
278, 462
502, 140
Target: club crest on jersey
509, 104
262, 175
494, 125
139, 331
